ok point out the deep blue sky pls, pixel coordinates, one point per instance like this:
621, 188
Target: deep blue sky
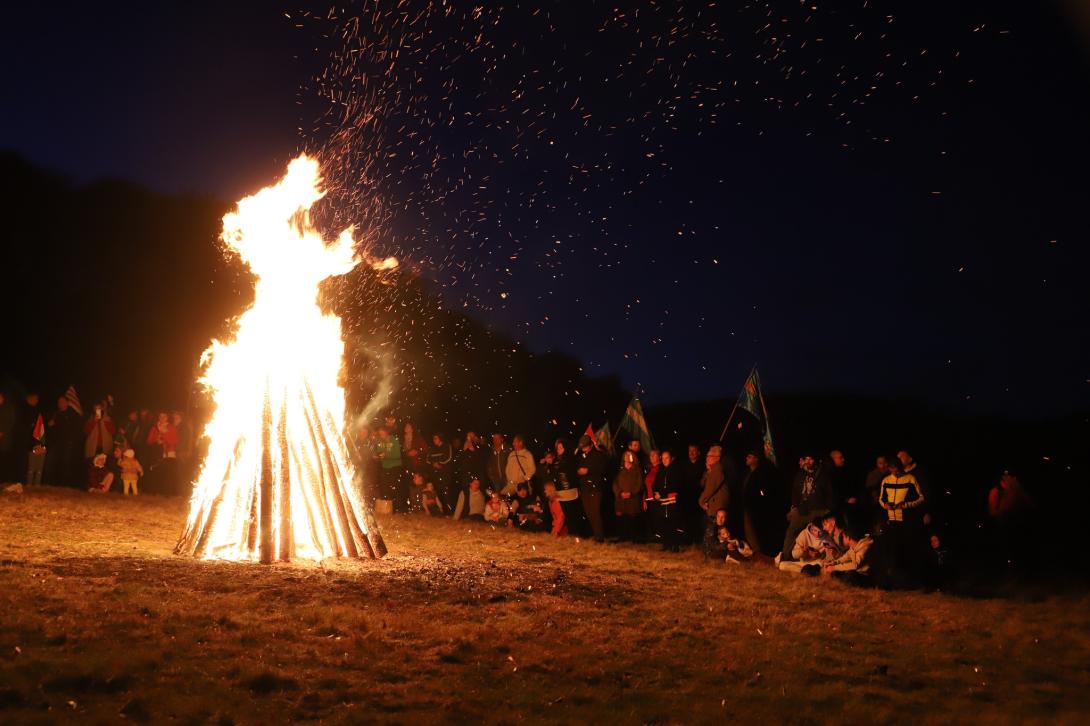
884, 204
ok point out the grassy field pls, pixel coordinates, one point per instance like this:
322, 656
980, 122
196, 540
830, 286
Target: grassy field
465, 623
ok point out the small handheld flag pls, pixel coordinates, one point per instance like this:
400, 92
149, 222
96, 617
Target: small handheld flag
73, 400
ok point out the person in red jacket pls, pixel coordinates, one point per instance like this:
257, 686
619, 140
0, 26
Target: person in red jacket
164, 435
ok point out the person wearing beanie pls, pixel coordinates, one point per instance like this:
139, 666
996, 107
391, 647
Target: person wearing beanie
131, 471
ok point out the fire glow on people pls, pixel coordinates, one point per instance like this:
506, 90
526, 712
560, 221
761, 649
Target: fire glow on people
277, 482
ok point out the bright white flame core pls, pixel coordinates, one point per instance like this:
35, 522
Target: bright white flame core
278, 481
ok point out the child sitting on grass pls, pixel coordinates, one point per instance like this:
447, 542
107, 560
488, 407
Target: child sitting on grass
429, 500
496, 511
416, 492
131, 471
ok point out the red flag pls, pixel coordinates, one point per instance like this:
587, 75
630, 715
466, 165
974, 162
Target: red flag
39, 429
590, 432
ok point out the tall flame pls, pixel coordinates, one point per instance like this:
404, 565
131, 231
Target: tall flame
278, 482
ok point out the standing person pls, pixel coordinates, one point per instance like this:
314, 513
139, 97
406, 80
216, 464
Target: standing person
559, 468
715, 491
497, 463
846, 494
99, 431
367, 463
470, 462
667, 518
811, 496
184, 448
163, 441
388, 453
520, 468
903, 543
756, 497
636, 448
63, 433
628, 491
591, 470
873, 486
25, 441
130, 430
414, 450
131, 471
692, 469
7, 439
441, 463
909, 465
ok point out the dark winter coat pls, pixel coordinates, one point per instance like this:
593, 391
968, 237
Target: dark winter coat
630, 481
812, 492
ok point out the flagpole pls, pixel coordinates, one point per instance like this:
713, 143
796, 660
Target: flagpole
731, 418
735, 409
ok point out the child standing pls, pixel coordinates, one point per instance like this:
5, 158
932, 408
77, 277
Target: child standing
131, 471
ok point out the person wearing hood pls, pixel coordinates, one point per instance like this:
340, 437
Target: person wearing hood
628, 490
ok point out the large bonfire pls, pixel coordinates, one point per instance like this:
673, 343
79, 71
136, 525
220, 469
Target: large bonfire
278, 481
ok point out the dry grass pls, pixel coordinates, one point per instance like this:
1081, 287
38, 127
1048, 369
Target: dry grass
462, 623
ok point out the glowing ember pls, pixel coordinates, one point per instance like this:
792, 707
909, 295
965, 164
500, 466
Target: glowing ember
278, 482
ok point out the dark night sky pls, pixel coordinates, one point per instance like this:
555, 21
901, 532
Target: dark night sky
884, 201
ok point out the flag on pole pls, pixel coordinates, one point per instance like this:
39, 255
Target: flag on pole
753, 401
73, 400
590, 432
604, 437
39, 430
636, 425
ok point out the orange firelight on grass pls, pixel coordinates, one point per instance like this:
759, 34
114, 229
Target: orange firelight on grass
278, 482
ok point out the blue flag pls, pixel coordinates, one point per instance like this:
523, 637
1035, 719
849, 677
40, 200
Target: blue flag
753, 401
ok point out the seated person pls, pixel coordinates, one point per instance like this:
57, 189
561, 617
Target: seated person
554, 518
853, 560
99, 478
837, 537
416, 492
430, 501
496, 510
526, 509
811, 546
471, 503
729, 548
711, 535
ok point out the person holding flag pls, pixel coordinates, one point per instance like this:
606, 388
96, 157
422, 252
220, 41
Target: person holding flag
36, 455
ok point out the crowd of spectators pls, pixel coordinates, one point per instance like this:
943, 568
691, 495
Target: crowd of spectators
63, 446
883, 527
